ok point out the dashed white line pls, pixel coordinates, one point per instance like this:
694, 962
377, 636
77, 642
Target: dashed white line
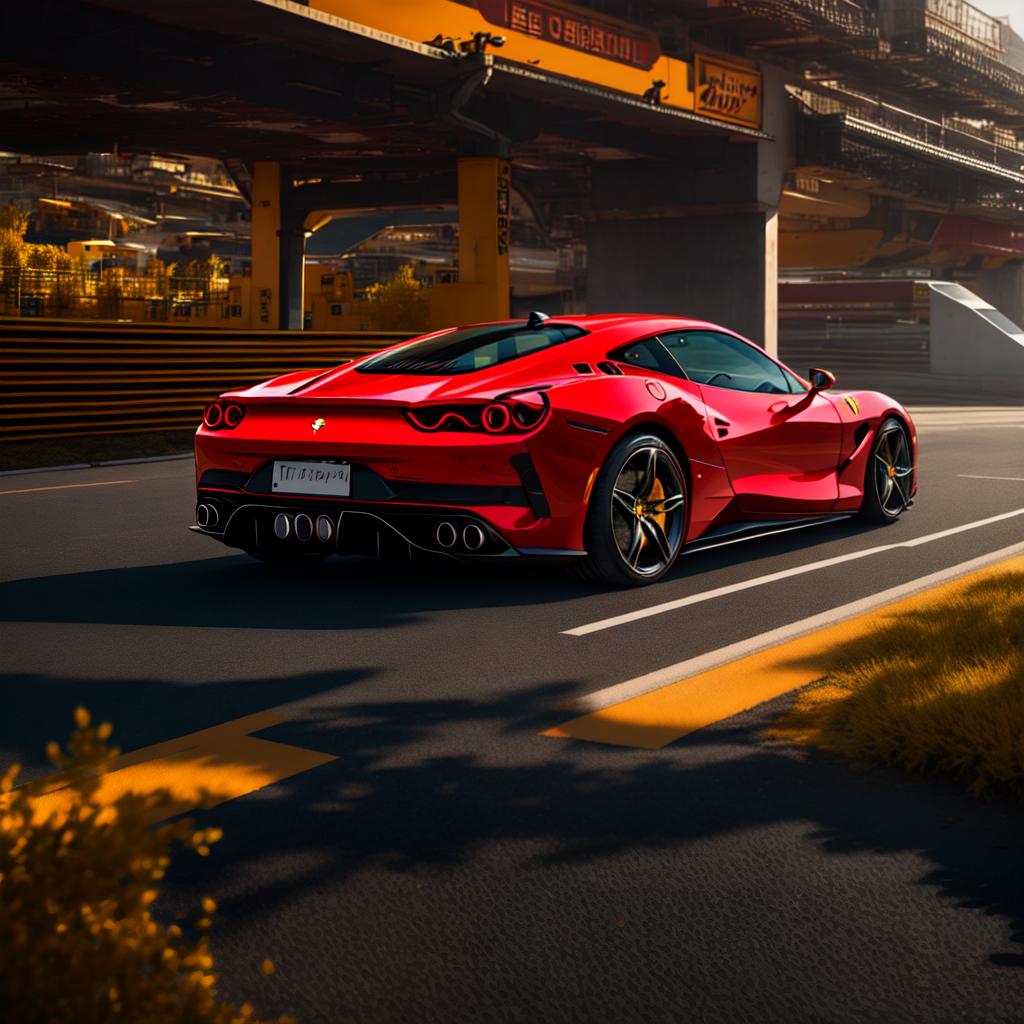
973, 476
65, 487
760, 581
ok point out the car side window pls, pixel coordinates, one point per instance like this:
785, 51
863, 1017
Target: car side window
648, 354
722, 361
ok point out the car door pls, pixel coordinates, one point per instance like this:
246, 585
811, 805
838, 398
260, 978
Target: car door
779, 442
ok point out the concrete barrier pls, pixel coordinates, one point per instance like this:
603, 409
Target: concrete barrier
971, 339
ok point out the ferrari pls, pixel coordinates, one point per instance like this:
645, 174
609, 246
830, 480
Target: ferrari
616, 442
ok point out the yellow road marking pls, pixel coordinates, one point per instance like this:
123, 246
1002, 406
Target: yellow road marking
653, 720
67, 487
223, 762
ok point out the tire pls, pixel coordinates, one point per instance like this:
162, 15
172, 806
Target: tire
886, 496
636, 522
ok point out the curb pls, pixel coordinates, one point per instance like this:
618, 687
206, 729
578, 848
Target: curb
94, 465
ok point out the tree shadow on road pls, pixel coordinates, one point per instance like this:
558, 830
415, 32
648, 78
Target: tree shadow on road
397, 799
459, 804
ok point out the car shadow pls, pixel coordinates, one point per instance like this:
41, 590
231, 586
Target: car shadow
342, 593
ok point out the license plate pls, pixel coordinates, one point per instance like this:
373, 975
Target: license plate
329, 478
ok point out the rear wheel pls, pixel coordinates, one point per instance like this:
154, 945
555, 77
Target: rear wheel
889, 474
637, 518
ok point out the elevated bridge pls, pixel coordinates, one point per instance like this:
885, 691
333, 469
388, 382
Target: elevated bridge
693, 145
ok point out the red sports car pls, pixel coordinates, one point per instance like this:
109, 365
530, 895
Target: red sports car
614, 441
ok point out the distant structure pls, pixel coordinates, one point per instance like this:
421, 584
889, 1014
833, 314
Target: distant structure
672, 155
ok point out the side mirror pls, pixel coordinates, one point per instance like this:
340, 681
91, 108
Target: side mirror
821, 380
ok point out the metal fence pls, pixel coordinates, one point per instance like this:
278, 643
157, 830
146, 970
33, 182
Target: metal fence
110, 294
60, 379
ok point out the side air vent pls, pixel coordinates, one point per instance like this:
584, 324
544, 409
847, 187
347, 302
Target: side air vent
860, 433
722, 426
610, 368
583, 367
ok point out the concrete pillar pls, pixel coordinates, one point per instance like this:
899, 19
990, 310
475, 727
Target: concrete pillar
717, 267
1004, 288
266, 257
482, 291
278, 253
696, 234
292, 267
484, 220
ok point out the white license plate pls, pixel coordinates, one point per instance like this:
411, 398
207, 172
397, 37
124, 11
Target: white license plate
330, 478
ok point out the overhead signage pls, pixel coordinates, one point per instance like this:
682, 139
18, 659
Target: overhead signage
575, 28
727, 91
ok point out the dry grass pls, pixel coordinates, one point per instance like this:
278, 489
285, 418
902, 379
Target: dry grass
935, 690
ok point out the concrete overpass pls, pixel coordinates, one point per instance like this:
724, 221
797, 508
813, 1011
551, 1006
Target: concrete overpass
681, 139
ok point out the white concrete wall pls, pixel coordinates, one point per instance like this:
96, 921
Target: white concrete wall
1004, 288
972, 339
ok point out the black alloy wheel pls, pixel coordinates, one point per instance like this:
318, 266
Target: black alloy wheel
637, 518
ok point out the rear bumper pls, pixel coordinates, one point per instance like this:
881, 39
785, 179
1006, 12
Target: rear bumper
529, 492
353, 527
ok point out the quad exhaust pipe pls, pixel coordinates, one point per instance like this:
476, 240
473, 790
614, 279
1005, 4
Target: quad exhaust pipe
304, 528
447, 536
207, 515
473, 537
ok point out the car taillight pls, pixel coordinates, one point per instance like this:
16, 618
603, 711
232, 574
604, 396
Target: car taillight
223, 415
515, 413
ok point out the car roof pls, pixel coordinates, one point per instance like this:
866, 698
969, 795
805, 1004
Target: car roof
593, 322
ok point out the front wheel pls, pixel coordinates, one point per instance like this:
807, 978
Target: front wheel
637, 518
888, 477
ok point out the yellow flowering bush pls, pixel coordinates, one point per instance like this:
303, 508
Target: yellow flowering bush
400, 304
78, 878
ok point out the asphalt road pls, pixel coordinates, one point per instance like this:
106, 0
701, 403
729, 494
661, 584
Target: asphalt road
453, 865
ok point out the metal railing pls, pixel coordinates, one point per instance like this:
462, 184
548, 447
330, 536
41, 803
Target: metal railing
60, 379
940, 137
110, 294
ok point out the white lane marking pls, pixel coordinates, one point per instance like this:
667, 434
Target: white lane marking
935, 427
65, 487
610, 695
958, 410
972, 476
760, 581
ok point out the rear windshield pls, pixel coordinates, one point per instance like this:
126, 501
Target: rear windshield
474, 348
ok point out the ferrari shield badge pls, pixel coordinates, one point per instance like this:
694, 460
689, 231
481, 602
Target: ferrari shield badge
317, 424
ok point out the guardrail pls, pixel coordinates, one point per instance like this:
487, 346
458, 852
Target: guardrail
61, 379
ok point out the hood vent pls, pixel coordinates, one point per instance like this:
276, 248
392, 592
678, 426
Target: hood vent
610, 368
583, 368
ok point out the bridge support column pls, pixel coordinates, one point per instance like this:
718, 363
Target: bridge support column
278, 253
292, 269
266, 259
695, 232
482, 292
720, 267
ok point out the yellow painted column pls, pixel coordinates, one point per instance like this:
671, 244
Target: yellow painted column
484, 227
264, 308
